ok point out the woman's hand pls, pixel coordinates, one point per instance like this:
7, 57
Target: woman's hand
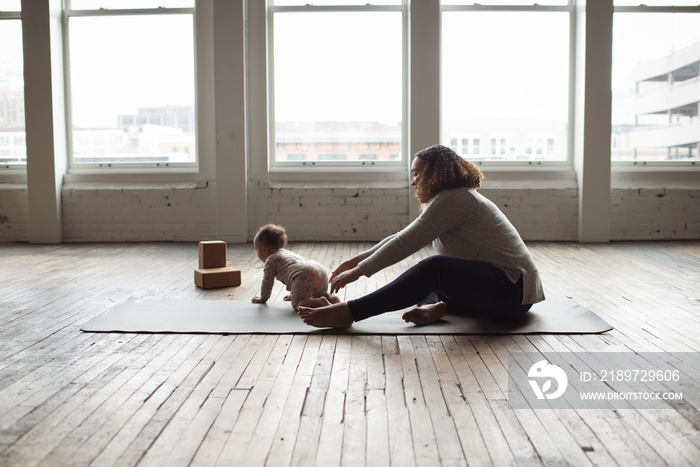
344, 278
345, 266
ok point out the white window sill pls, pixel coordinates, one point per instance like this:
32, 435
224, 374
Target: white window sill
157, 176
135, 185
655, 178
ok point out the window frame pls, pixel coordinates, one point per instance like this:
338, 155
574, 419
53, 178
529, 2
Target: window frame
660, 165
116, 168
16, 168
278, 169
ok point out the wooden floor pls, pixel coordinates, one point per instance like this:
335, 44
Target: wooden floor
74, 398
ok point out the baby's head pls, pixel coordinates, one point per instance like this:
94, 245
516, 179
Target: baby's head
269, 239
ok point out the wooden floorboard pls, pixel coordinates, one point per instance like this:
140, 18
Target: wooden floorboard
77, 399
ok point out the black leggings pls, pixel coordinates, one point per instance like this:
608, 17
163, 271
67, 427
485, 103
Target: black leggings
465, 286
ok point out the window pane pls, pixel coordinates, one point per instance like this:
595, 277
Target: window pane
655, 2
337, 86
506, 2
129, 4
10, 5
13, 148
656, 87
334, 2
505, 80
132, 94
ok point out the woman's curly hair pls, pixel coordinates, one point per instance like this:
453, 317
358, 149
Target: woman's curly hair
272, 236
444, 170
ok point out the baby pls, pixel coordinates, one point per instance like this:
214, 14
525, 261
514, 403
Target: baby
306, 280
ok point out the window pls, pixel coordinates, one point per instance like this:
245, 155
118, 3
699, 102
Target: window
656, 83
337, 79
131, 80
13, 148
505, 69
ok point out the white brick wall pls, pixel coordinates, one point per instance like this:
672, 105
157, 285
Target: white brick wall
372, 213
328, 213
14, 217
180, 212
183, 212
539, 213
655, 214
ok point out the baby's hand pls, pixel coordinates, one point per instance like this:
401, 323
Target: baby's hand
257, 299
287, 298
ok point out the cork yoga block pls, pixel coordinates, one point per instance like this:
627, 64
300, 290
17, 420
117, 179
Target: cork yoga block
212, 254
217, 277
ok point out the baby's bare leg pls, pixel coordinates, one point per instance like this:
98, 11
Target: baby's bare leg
332, 298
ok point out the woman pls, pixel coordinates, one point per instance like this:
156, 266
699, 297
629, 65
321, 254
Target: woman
482, 267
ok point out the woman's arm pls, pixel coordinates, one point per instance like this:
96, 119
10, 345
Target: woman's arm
370, 252
345, 266
344, 278
338, 282
443, 213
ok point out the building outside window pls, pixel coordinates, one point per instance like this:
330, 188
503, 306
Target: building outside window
131, 83
656, 82
515, 80
465, 146
336, 77
13, 148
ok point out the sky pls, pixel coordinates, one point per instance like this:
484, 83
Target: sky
505, 63
121, 63
11, 40
640, 38
331, 66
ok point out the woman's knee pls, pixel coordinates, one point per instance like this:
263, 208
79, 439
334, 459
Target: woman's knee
433, 263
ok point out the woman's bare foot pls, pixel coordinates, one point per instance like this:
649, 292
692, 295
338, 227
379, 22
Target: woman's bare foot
426, 314
334, 316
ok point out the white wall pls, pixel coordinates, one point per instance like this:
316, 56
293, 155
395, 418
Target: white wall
14, 213
329, 212
655, 213
185, 212
110, 213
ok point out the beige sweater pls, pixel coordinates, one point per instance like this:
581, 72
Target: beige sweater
461, 223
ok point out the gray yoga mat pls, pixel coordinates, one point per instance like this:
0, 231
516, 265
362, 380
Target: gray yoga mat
244, 317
